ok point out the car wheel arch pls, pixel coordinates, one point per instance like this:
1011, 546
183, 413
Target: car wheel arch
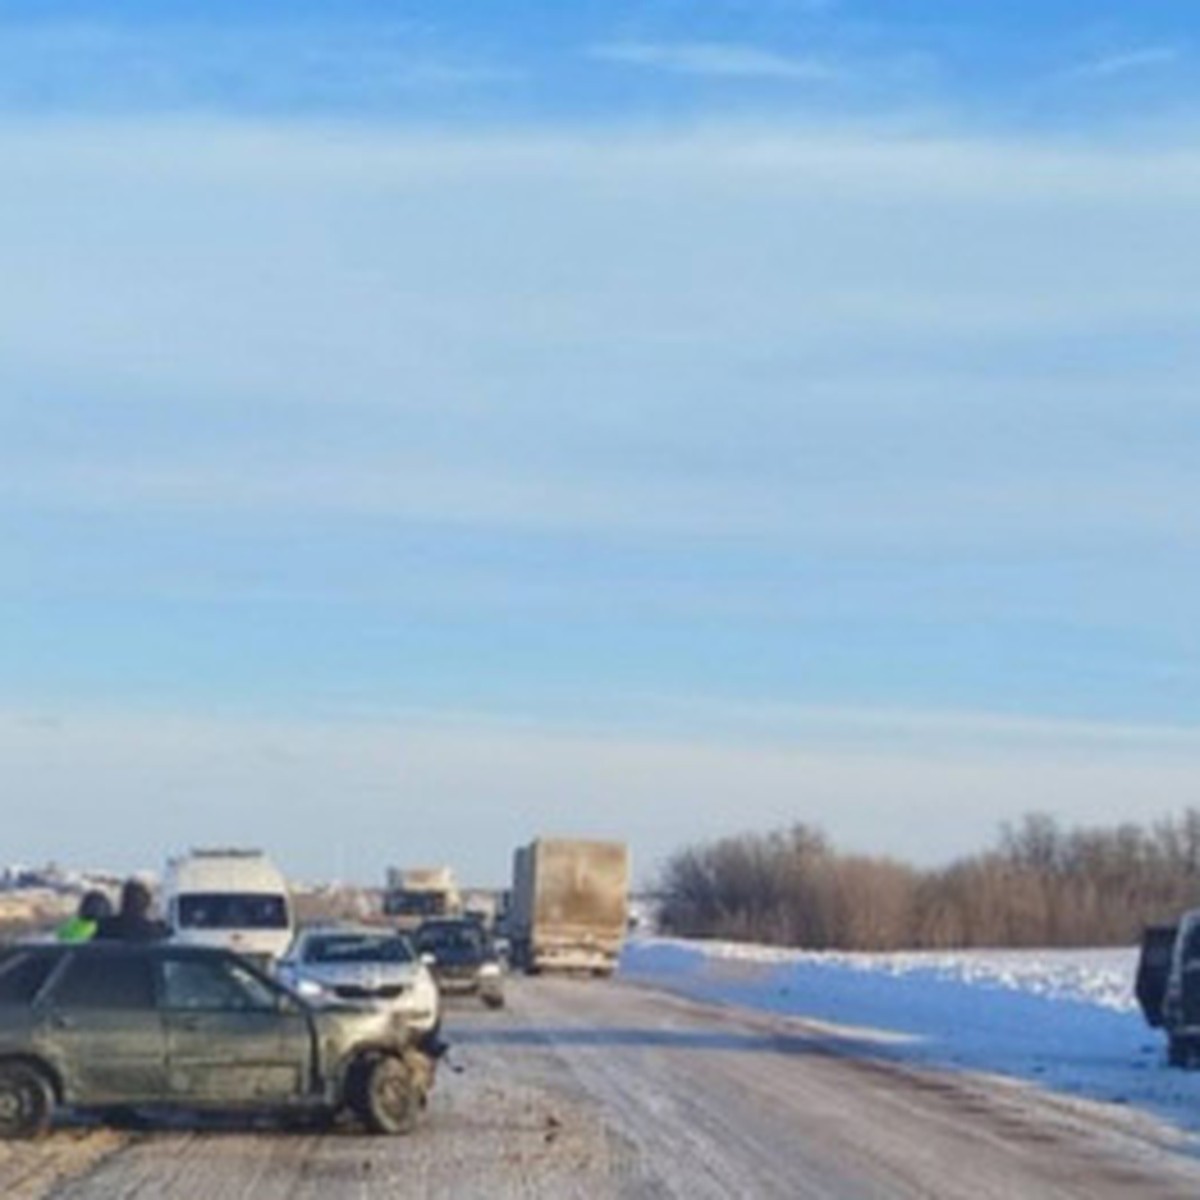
43, 1067
361, 1057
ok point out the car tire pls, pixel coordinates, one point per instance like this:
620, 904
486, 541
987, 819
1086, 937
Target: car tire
387, 1099
492, 1000
26, 1101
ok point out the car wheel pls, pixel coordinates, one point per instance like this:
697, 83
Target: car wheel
26, 1101
388, 1100
493, 1000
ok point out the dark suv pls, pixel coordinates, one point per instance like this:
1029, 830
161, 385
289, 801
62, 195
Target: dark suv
112, 1026
462, 958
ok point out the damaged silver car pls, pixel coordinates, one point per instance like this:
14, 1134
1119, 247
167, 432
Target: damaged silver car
113, 1027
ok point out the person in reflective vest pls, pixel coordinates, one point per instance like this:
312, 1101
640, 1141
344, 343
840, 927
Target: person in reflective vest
93, 908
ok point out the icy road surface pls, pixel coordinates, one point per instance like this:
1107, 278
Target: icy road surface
585, 1089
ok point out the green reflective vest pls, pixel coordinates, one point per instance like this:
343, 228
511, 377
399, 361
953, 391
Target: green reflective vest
77, 929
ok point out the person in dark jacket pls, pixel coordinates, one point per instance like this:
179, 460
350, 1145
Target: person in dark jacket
133, 922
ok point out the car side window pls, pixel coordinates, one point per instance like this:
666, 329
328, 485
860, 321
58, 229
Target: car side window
111, 981
191, 983
1191, 945
22, 975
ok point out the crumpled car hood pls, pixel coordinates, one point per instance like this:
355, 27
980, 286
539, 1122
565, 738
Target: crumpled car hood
344, 1025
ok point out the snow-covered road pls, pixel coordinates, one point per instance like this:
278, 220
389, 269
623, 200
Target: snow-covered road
619, 1090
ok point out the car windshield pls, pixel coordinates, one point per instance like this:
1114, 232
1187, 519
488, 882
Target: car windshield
414, 904
1191, 945
232, 910
357, 948
453, 941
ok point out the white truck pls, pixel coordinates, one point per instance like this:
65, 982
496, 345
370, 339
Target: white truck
569, 907
416, 894
237, 899
482, 905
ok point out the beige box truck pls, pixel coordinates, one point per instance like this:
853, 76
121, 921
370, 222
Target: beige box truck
416, 894
570, 905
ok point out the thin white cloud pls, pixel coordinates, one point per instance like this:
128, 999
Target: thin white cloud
929, 732
160, 783
437, 74
716, 59
739, 300
849, 512
1128, 62
91, 64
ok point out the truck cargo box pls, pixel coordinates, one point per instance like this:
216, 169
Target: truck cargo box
570, 905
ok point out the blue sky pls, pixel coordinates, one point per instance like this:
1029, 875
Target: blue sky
651, 420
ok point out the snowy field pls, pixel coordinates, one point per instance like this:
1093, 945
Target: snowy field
1064, 1020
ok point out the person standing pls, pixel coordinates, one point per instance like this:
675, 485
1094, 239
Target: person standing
93, 908
133, 922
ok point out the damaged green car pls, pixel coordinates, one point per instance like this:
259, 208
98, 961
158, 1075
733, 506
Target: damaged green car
114, 1027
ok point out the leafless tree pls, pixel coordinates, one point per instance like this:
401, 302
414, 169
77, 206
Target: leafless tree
1040, 885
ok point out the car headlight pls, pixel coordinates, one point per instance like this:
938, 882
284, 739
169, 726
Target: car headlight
310, 989
489, 970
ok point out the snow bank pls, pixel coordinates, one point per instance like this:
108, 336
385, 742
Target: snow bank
1064, 1020
1103, 977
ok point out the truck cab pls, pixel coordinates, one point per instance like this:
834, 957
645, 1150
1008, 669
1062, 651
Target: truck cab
417, 894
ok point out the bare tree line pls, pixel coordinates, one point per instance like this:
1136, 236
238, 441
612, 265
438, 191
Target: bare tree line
1039, 885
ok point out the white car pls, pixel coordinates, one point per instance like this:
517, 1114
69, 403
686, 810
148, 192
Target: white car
339, 963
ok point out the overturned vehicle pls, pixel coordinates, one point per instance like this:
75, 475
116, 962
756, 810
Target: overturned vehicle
114, 1028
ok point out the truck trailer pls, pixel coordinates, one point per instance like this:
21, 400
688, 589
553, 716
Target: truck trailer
570, 905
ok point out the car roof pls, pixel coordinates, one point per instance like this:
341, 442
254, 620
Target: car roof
216, 871
334, 929
114, 946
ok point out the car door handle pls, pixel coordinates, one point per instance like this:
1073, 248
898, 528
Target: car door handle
191, 1024
59, 1021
